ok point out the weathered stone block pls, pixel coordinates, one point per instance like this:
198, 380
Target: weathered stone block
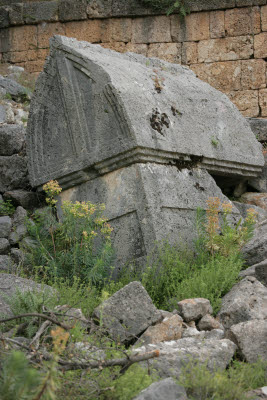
260, 48
4, 17
194, 309
242, 21
99, 8
137, 48
5, 226
120, 30
189, 53
14, 172
23, 37
69, 10
169, 329
264, 18
253, 74
134, 128
151, 30
224, 49
246, 101
12, 138
178, 28
89, 30
177, 353
255, 251
120, 47
41, 11
166, 389
16, 14
197, 26
46, 31
263, 102
224, 76
251, 339
259, 128
246, 301
217, 28
128, 312
4, 246
170, 52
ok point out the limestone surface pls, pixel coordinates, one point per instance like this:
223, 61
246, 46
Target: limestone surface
166, 389
128, 313
247, 300
251, 339
126, 108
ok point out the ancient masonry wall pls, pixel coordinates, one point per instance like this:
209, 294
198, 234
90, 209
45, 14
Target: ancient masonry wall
223, 41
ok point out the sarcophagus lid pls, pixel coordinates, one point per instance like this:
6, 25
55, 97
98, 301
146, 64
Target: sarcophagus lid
95, 111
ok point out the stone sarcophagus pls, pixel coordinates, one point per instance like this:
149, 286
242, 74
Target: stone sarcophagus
141, 135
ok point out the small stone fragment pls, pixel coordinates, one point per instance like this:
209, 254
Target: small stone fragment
168, 329
194, 309
166, 389
5, 226
207, 323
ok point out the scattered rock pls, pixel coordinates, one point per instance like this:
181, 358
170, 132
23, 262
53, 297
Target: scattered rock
17, 235
257, 199
10, 283
191, 332
19, 216
168, 329
166, 389
251, 339
176, 353
15, 90
240, 188
5, 226
255, 251
128, 313
24, 198
247, 300
214, 334
16, 255
243, 207
12, 138
194, 309
4, 246
207, 323
6, 264
257, 394
14, 173
73, 314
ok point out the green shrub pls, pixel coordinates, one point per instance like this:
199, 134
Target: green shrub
17, 379
6, 208
202, 384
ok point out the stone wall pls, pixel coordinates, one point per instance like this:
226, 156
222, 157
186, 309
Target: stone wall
223, 41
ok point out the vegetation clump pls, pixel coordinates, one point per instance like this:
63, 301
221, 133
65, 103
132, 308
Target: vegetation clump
169, 6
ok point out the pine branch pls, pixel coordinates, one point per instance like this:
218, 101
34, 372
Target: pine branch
46, 317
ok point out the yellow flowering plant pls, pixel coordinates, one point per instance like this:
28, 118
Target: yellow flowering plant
225, 237
77, 245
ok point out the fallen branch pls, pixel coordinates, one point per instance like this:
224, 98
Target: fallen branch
43, 316
13, 341
36, 340
67, 366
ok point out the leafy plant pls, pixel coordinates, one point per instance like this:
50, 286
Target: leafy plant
169, 6
78, 245
202, 384
214, 142
6, 208
29, 301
